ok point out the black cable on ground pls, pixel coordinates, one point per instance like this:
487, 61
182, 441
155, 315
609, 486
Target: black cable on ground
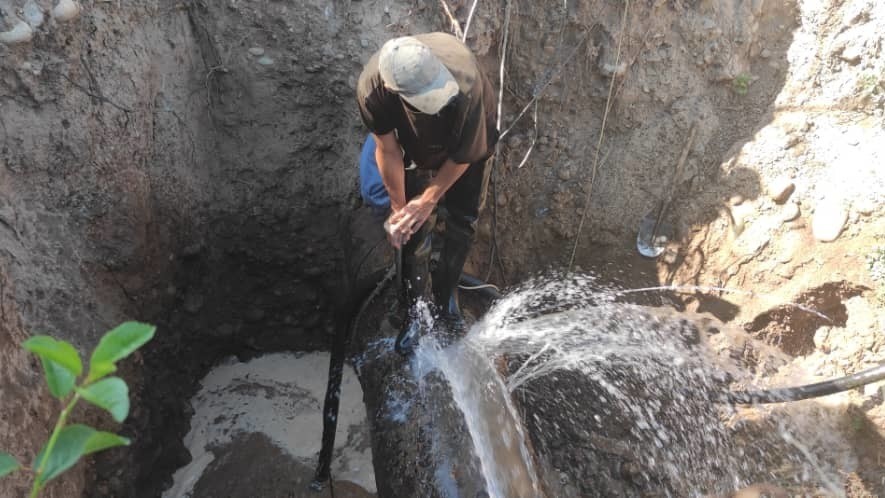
781, 395
344, 335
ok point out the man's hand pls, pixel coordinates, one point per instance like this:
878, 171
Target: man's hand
403, 223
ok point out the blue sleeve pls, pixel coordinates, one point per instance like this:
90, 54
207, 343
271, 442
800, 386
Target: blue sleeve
371, 187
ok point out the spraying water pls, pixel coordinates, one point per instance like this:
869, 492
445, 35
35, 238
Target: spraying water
618, 399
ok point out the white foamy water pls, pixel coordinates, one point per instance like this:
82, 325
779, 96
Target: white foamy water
281, 396
624, 380
498, 437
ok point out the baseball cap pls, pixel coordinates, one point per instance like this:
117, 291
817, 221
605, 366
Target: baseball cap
410, 69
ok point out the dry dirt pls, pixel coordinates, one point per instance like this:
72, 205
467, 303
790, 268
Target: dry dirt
192, 164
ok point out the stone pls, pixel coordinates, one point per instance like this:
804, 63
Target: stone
256, 51
821, 339
865, 206
740, 215
790, 212
874, 390
33, 14
852, 53
20, 33
829, 220
781, 189
736, 200
66, 10
765, 53
265, 61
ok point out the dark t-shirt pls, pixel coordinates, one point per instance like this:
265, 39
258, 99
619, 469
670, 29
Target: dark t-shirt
463, 131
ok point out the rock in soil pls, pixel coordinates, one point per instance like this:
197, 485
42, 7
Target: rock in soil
829, 219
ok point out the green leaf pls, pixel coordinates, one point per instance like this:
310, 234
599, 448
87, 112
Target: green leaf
116, 345
59, 379
68, 449
104, 440
8, 464
112, 394
73, 442
60, 352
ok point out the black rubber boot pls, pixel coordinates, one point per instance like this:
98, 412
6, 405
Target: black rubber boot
416, 278
456, 246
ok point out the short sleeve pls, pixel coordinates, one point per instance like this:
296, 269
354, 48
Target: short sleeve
372, 99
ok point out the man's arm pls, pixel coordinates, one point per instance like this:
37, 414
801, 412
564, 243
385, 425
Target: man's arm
389, 157
409, 219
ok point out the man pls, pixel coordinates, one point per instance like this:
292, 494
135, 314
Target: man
431, 112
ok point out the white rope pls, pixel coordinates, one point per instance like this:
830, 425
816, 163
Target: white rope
534, 137
478, 287
469, 18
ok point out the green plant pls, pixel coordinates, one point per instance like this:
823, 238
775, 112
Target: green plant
741, 84
62, 366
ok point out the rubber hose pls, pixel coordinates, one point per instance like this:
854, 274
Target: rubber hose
809, 391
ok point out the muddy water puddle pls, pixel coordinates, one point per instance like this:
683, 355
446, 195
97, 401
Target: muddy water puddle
256, 431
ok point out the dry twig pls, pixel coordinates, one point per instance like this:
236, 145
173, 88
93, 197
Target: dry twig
456, 26
608, 104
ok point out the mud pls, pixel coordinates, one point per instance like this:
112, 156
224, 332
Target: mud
272, 473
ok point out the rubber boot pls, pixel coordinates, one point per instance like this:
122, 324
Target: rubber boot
456, 245
416, 278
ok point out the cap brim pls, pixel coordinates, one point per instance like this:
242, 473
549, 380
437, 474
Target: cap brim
439, 93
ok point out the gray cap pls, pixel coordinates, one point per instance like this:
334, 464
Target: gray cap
410, 69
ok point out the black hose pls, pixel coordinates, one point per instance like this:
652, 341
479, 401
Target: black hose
780, 395
344, 336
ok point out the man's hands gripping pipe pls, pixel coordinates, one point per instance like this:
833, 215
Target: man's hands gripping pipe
406, 218
402, 224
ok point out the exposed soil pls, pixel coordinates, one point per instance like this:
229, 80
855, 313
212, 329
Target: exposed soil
192, 164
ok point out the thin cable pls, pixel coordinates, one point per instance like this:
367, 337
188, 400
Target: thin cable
507, 10
493, 180
601, 136
469, 18
534, 137
537, 94
478, 287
